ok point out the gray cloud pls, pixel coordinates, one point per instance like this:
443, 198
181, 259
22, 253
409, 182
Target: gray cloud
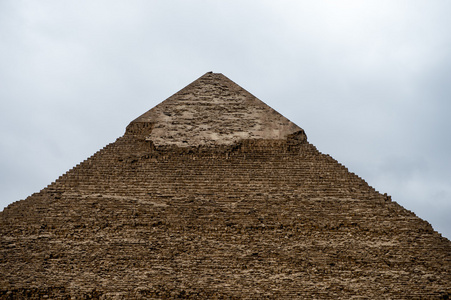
368, 81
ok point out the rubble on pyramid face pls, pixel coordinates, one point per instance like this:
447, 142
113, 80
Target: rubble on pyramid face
213, 110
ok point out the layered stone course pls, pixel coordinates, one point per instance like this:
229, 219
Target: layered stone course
259, 218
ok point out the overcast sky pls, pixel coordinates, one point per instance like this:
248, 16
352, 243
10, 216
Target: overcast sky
369, 81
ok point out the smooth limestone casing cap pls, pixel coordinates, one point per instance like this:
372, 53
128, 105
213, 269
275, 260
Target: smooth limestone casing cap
213, 110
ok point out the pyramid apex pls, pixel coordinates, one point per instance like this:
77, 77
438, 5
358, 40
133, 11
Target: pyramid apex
214, 110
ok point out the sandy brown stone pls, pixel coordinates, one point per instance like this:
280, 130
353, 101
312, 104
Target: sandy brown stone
214, 195
213, 110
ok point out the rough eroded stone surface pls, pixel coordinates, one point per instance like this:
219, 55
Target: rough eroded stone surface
148, 217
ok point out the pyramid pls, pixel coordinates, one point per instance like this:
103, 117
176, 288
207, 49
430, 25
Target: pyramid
214, 195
